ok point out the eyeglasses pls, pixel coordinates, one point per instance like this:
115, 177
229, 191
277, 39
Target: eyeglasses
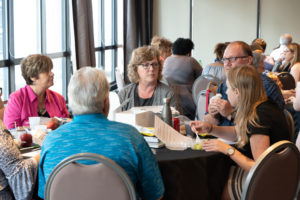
232, 59
147, 66
288, 50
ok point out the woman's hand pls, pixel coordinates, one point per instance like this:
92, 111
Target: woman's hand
200, 127
287, 94
215, 145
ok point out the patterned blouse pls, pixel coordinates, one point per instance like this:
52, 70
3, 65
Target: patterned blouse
17, 175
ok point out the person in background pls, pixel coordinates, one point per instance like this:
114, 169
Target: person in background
256, 48
220, 112
296, 101
2, 108
91, 131
268, 62
296, 114
258, 61
217, 68
144, 72
293, 50
181, 70
255, 128
164, 47
261, 43
284, 40
35, 99
283, 64
17, 175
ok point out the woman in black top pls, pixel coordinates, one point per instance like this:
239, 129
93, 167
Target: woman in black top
259, 122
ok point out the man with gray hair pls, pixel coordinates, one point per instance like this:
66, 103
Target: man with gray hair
284, 40
90, 131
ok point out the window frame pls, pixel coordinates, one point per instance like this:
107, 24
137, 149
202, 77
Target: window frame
9, 61
114, 46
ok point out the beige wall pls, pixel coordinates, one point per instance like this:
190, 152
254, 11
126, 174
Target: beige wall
279, 17
220, 21
171, 18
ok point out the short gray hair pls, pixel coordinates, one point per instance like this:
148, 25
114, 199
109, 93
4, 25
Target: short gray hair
87, 91
257, 59
285, 39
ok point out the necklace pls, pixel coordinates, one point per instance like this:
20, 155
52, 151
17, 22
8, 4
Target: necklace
42, 111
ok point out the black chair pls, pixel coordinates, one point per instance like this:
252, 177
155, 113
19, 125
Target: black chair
287, 80
291, 124
275, 174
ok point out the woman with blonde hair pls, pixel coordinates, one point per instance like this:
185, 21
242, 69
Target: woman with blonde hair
255, 128
294, 50
290, 59
164, 47
144, 73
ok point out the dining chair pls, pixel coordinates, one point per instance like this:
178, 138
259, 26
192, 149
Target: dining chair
102, 180
119, 79
275, 174
202, 104
201, 83
291, 124
287, 80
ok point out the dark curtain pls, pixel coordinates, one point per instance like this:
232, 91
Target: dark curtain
137, 27
84, 33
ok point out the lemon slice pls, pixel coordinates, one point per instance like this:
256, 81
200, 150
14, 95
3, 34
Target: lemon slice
147, 131
203, 134
197, 146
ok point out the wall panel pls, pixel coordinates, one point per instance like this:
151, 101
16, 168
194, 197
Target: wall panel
221, 21
171, 18
279, 17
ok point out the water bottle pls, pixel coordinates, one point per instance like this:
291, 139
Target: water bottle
166, 112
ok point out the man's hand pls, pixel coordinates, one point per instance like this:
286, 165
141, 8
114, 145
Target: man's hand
220, 106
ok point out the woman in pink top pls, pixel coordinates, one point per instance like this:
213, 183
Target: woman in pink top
35, 99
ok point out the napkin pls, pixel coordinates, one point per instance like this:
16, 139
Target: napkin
170, 136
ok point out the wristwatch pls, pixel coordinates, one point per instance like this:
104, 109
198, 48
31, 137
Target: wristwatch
230, 151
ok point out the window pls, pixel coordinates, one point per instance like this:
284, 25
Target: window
29, 27
108, 35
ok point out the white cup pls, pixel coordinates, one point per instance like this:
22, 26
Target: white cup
40, 127
34, 121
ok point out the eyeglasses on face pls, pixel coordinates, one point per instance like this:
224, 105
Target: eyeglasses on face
147, 66
288, 50
232, 59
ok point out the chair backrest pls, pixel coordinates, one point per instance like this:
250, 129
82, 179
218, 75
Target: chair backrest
103, 180
201, 84
275, 174
201, 105
114, 103
119, 79
291, 124
287, 80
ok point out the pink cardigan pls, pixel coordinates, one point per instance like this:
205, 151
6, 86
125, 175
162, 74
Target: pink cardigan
23, 104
